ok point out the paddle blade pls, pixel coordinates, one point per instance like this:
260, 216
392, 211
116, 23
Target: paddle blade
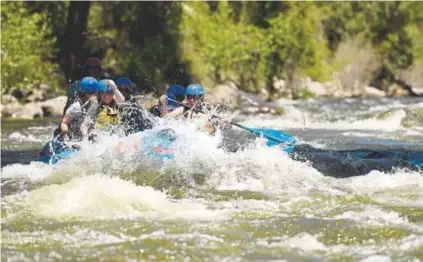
276, 137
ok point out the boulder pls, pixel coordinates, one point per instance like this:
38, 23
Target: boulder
279, 84
227, 94
34, 96
53, 107
9, 110
369, 91
8, 99
27, 111
316, 88
334, 89
417, 90
396, 91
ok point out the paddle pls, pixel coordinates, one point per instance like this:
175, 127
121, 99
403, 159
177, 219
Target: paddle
275, 137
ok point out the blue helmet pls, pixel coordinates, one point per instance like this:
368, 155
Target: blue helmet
89, 85
171, 104
123, 81
104, 86
195, 90
178, 92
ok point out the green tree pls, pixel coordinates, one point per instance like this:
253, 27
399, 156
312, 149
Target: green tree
218, 48
415, 28
385, 25
26, 51
292, 46
139, 40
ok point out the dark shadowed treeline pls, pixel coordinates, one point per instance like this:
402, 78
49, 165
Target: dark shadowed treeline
248, 43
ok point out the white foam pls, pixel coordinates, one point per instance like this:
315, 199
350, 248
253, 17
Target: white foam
358, 134
370, 249
318, 143
389, 124
377, 181
374, 216
34, 171
101, 197
303, 241
377, 258
24, 138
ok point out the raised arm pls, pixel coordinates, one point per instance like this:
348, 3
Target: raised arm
118, 95
178, 111
163, 105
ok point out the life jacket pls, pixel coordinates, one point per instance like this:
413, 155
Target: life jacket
191, 113
108, 115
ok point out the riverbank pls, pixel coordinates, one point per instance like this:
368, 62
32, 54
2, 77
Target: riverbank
42, 103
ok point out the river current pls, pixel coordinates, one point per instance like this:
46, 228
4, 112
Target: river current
253, 203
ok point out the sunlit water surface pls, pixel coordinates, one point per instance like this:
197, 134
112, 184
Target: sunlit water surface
255, 204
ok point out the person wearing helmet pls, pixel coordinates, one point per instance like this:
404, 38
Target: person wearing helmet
124, 85
169, 102
110, 85
194, 97
107, 114
92, 67
78, 118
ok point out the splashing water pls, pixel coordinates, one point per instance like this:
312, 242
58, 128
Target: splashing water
114, 202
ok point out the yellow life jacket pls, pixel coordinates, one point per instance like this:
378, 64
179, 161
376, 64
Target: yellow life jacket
107, 116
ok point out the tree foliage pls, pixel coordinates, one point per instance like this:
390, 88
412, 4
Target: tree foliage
292, 45
249, 43
27, 49
218, 48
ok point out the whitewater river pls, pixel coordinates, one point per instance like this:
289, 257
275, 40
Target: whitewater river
213, 204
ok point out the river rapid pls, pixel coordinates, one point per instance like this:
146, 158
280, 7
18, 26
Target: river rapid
212, 204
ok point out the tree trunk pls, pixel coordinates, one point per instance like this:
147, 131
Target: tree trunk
212, 5
75, 36
269, 79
